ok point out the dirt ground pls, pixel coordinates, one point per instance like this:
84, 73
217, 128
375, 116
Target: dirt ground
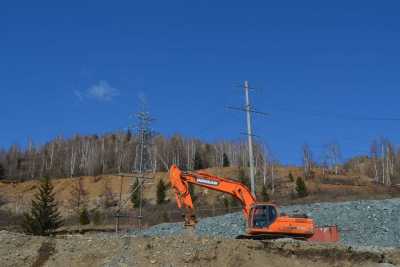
111, 250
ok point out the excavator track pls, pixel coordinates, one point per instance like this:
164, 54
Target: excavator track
326, 234
269, 237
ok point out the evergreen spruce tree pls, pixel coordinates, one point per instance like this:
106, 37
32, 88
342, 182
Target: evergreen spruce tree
301, 187
198, 162
135, 194
225, 162
2, 172
161, 192
44, 216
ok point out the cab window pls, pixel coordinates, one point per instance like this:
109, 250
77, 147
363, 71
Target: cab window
263, 216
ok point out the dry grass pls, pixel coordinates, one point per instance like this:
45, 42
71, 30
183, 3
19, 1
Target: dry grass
328, 189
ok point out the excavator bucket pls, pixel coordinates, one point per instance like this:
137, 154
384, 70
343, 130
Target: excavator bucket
325, 234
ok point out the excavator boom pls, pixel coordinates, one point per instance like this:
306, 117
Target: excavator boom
180, 183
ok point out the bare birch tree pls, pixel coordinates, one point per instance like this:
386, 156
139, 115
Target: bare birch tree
307, 161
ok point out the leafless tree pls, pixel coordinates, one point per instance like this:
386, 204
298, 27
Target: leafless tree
307, 160
383, 159
333, 156
116, 152
109, 199
79, 198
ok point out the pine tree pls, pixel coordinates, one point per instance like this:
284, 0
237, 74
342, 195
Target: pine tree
198, 162
264, 194
135, 194
44, 216
301, 187
226, 162
161, 192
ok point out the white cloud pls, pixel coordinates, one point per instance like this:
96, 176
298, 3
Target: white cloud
102, 91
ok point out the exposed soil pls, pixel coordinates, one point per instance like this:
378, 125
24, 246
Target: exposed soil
109, 250
332, 188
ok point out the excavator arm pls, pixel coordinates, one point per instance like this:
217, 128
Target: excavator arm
180, 181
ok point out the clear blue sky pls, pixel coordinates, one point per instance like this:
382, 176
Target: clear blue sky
79, 67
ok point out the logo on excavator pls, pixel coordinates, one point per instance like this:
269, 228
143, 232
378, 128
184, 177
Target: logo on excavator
206, 181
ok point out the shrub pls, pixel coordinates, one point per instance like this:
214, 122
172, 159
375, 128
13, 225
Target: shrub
135, 194
161, 192
97, 217
84, 217
225, 203
233, 202
243, 178
109, 200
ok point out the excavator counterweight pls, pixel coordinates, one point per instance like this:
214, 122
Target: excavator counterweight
264, 221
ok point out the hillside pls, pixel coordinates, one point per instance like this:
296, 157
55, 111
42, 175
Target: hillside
17, 195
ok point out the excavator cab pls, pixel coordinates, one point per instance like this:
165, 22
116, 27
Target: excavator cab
265, 222
262, 215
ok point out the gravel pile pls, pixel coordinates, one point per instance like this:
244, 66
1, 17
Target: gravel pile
362, 223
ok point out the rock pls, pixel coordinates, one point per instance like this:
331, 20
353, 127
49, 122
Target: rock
366, 222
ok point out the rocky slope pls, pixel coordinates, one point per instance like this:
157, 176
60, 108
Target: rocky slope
361, 223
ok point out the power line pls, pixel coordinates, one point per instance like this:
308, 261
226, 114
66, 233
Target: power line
338, 116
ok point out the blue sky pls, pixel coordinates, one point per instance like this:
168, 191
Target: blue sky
80, 67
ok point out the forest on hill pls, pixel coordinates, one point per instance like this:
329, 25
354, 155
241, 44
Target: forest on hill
119, 152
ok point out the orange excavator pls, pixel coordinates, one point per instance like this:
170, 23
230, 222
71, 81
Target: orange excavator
263, 219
